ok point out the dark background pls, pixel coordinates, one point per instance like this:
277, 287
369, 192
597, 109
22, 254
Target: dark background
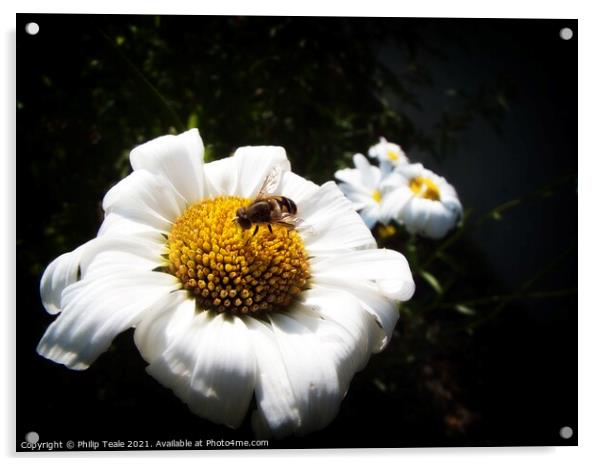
489, 104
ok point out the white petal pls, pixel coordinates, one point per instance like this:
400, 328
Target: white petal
441, 220
311, 371
244, 172
369, 174
392, 205
62, 271
382, 310
375, 150
311, 376
416, 213
429, 218
141, 252
221, 177
438, 227
163, 323
118, 225
278, 414
386, 166
384, 270
359, 198
393, 180
113, 254
451, 202
177, 158
341, 324
409, 171
376, 277
370, 215
96, 310
297, 188
353, 177
209, 364
365, 177
333, 224
145, 198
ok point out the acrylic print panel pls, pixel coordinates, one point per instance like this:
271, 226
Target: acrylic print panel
423, 295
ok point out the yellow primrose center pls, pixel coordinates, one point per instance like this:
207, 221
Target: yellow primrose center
377, 196
425, 187
228, 269
392, 155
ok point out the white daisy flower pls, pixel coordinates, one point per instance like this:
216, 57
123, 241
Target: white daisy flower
431, 206
365, 187
389, 155
222, 316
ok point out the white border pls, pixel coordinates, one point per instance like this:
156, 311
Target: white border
428, 8
590, 308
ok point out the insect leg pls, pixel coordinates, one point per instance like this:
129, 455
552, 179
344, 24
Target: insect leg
256, 228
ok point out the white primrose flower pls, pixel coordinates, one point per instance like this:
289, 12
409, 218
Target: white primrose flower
430, 205
389, 155
222, 315
365, 187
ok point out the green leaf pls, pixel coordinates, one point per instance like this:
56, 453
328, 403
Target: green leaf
431, 280
462, 309
380, 385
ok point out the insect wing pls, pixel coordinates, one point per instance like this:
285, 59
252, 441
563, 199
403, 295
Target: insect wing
271, 182
290, 221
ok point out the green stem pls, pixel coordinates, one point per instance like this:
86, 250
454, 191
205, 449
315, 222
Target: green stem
447, 242
506, 297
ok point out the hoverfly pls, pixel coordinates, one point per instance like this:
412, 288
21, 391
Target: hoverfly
267, 208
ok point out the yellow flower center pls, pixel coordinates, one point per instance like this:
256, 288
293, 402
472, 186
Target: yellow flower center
425, 187
392, 155
377, 196
228, 269
386, 231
